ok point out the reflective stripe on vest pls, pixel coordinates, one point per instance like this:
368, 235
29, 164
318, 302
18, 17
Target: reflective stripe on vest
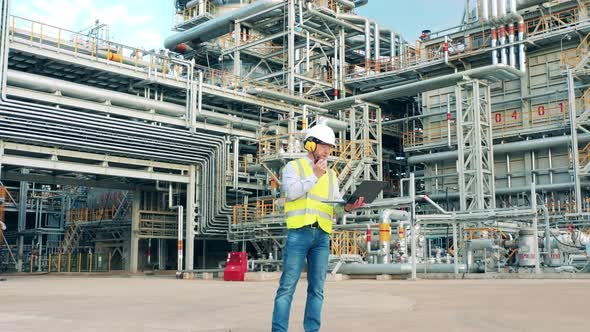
309, 208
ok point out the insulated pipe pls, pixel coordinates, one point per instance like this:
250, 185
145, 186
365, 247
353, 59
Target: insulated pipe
282, 96
502, 10
391, 214
52, 85
377, 37
433, 203
503, 59
480, 244
402, 268
11, 110
180, 209
367, 44
368, 239
346, 3
359, 3
540, 143
412, 89
217, 27
484, 10
521, 51
512, 55
494, 11
236, 162
494, 31
336, 125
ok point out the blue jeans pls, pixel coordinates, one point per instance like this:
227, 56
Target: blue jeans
312, 244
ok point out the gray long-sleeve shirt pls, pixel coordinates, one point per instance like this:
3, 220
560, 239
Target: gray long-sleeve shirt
293, 187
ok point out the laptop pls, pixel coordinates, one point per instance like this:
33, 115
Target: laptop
368, 189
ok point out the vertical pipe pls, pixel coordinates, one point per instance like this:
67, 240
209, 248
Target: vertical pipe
392, 49
384, 241
536, 244
533, 166
369, 239
201, 7
574, 137
149, 252
455, 250
503, 58
335, 69
342, 64
200, 95
502, 9
377, 36
291, 45
521, 51
237, 156
550, 160
307, 51
449, 119
494, 34
484, 10
512, 55
180, 243
413, 223
494, 11
513, 6
21, 249
237, 42
367, 45
508, 171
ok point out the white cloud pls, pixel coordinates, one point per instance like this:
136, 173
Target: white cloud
131, 23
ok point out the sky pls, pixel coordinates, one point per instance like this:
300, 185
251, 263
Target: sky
146, 23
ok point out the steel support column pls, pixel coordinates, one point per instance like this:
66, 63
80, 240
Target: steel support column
475, 145
134, 250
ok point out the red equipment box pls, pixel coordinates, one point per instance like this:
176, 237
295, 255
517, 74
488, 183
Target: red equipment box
236, 266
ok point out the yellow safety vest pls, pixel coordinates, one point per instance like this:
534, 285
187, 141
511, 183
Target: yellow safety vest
309, 208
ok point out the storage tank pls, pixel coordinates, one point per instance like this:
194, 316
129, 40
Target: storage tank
527, 254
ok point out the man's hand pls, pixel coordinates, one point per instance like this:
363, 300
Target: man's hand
360, 202
319, 168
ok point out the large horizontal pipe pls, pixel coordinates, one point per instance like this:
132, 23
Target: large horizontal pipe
85, 92
541, 143
403, 268
218, 26
515, 190
282, 96
52, 85
499, 71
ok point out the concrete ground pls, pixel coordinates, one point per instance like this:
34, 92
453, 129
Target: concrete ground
60, 303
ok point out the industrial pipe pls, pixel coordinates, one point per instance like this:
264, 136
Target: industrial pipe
412, 89
336, 125
528, 145
403, 268
217, 27
346, 3
180, 209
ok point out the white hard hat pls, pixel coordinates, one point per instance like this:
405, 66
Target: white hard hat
322, 133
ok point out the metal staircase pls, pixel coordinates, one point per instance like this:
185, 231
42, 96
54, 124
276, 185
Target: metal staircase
71, 238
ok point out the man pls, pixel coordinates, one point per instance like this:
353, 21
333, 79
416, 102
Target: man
307, 183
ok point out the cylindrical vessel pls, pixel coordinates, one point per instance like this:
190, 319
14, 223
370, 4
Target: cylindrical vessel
527, 255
